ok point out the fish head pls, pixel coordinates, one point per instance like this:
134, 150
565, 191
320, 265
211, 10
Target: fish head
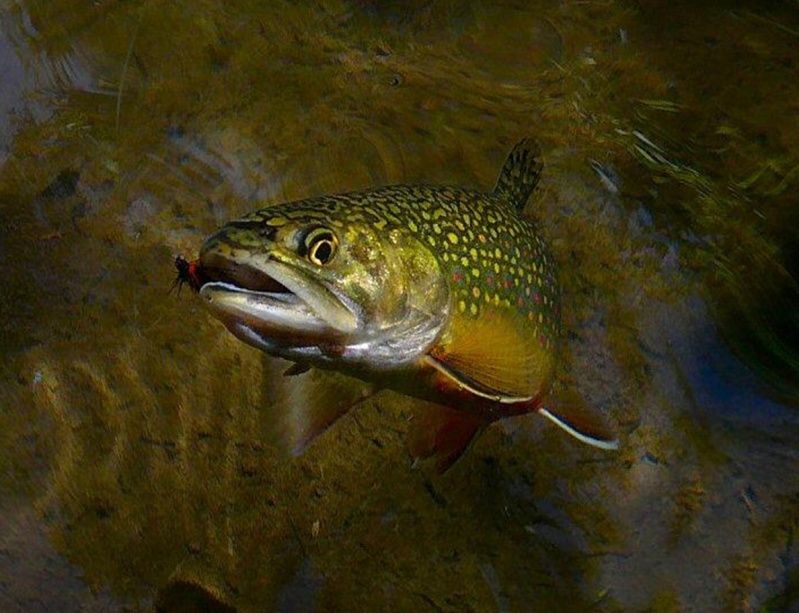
325, 289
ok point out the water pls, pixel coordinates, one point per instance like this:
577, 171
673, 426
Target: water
140, 467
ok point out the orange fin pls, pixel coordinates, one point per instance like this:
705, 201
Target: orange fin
443, 433
582, 421
494, 356
305, 405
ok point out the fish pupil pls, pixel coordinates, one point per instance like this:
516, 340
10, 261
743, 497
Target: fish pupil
320, 246
322, 252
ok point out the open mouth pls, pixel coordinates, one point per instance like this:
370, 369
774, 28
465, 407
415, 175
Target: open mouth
258, 295
242, 276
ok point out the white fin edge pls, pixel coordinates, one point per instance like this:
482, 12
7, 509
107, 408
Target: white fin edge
497, 397
584, 438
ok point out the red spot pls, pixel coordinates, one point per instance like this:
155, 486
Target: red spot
481, 238
508, 283
457, 277
537, 298
490, 280
543, 340
520, 301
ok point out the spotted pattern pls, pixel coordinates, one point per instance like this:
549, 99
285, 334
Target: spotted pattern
494, 259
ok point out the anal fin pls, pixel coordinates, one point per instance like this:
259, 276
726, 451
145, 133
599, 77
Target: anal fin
442, 433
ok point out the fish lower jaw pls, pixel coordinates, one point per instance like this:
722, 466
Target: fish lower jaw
268, 314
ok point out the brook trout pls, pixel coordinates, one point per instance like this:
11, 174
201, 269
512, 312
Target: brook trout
444, 294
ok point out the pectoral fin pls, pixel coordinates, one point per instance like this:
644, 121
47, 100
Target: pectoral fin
442, 433
493, 357
305, 404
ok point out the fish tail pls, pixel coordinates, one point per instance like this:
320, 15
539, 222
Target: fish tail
520, 174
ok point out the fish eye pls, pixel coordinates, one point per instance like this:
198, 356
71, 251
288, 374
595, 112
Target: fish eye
320, 245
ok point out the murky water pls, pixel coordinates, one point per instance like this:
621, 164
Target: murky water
140, 467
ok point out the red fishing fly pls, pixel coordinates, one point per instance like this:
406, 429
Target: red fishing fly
189, 273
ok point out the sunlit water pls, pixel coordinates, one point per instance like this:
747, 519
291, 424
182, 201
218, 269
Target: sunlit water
139, 460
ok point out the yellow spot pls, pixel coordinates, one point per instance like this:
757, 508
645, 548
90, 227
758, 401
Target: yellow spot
431, 240
459, 225
413, 227
473, 253
497, 253
473, 308
464, 261
496, 299
506, 302
535, 267
462, 306
380, 225
496, 268
453, 238
436, 228
276, 222
476, 292
475, 272
540, 318
487, 296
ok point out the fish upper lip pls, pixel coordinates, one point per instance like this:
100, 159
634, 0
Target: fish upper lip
243, 278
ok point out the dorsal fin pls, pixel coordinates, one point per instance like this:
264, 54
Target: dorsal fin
520, 173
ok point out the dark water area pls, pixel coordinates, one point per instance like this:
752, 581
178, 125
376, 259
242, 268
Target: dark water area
140, 467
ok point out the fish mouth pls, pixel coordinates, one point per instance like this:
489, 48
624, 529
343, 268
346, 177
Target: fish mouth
266, 302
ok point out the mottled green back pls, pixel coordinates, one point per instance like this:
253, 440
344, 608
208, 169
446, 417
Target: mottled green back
493, 258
